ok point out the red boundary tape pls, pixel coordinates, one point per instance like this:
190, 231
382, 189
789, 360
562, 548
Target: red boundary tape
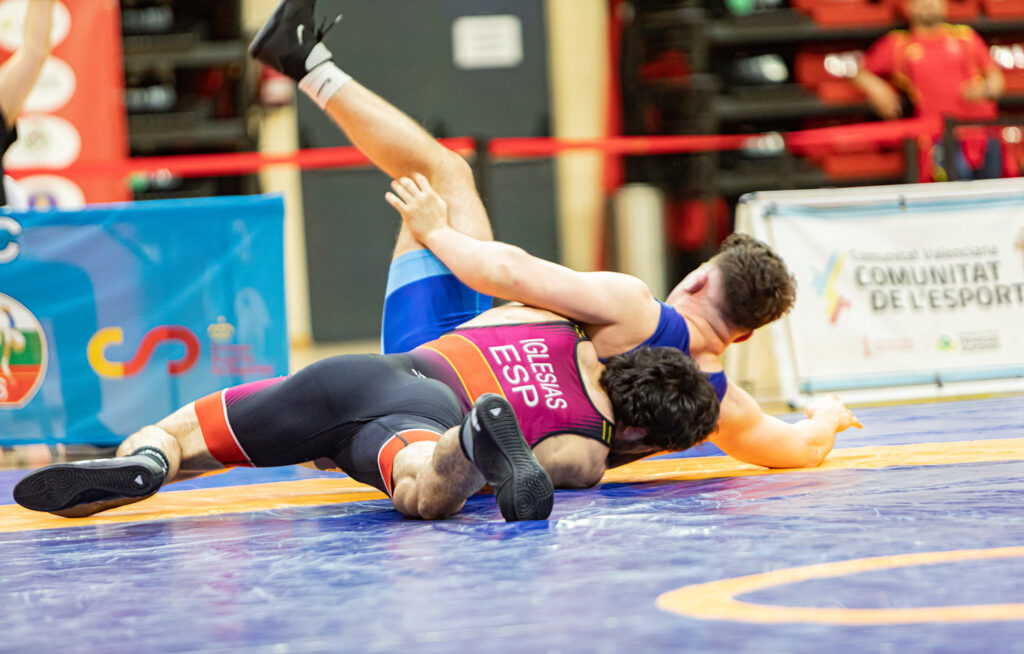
241, 163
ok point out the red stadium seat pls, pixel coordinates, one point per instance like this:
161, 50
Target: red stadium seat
1014, 81
1003, 9
840, 91
840, 13
961, 11
827, 74
957, 11
862, 165
694, 224
1010, 57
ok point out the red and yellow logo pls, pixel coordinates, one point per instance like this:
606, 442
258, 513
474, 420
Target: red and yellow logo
108, 336
23, 354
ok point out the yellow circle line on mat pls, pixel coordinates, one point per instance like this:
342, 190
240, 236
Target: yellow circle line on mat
716, 600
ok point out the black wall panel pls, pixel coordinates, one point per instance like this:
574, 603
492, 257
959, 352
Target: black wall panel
402, 50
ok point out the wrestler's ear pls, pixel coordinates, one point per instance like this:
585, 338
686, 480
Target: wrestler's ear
631, 434
695, 281
743, 338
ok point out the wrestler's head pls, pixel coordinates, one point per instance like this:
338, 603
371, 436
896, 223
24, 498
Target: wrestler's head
925, 13
756, 288
661, 392
744, 286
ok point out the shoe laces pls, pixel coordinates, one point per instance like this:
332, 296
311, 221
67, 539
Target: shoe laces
326, 25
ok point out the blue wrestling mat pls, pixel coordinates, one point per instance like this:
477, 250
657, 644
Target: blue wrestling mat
909, 539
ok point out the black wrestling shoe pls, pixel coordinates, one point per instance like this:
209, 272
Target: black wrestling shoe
289, 42
80, 489
521, 486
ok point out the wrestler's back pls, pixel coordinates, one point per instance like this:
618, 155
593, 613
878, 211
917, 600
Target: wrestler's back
586, 355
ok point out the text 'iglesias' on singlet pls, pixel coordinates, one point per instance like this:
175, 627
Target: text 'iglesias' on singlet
532, 365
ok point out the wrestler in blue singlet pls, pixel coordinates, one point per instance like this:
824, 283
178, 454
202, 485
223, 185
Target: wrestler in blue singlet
425, 300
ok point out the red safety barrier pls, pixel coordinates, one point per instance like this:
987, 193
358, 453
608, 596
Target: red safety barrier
883, 133
243, 163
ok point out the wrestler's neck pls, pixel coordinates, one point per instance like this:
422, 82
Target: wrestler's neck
708, 332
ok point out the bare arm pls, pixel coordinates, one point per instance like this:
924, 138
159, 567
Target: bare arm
988, 87
509, 272
746, 433
19, 73
572, 461
882, 97
995, 83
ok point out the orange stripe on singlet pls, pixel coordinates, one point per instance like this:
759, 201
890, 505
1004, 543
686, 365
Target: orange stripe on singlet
220, 439
469, 363
390, 449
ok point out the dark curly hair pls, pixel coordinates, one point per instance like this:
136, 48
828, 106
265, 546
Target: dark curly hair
757, 286
661, 390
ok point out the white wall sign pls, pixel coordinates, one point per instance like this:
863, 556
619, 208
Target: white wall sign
487, 42
900, 286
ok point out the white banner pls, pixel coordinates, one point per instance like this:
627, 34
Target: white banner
901, 285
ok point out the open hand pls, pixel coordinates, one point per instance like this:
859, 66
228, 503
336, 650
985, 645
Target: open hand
832, 408
422, 209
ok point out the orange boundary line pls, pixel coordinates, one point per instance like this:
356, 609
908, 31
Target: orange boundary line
326, 491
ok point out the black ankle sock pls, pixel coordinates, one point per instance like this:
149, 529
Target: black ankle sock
154, 454
466, 436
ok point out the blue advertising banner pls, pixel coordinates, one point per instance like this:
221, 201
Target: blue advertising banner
114, 316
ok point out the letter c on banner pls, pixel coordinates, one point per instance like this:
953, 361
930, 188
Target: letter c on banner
10, 251
115, 336
97, 344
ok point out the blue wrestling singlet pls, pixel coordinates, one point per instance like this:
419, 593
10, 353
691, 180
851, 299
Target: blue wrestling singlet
423, 301
672, 331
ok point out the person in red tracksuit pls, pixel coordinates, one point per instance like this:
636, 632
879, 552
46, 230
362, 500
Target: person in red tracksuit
946, 70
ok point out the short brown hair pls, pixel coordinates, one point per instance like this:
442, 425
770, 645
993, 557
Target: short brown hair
756, 284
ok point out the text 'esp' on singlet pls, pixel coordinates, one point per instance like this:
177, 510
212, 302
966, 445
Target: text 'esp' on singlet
532, 365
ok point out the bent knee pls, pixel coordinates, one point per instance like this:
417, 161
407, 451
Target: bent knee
452, 177
404, 498
432, 510
454, 167
409, 500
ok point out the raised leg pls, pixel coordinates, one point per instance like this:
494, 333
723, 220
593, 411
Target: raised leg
291, 43
400, 147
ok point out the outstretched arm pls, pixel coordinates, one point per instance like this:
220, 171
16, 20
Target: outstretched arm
509, 272
747, 433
